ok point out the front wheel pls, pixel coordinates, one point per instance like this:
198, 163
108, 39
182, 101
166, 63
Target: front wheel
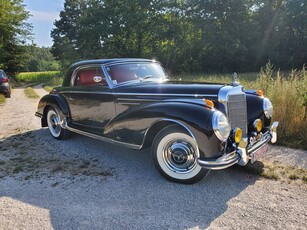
175, 154
54, 126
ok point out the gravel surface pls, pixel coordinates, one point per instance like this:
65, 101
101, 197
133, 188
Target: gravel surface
82, 183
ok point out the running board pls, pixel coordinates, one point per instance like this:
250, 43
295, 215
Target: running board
98, 137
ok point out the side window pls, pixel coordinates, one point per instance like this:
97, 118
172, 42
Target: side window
90, 77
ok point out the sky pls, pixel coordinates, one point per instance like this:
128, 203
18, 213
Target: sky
44, 13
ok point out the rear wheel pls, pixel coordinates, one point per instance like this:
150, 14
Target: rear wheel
54, 124
175, 155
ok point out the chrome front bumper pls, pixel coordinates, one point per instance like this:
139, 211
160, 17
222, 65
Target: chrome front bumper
240, 156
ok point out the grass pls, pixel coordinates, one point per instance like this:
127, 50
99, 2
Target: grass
2, 99
286, 90
30, 93
53, 82
275, 171
37, 76
48, 88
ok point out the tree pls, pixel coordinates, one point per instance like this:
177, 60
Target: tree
14, 30
39, 59
186, 35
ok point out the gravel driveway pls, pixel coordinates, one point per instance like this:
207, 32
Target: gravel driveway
82, 183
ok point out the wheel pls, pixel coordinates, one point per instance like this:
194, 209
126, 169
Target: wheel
54, 126
8, 95
175, 154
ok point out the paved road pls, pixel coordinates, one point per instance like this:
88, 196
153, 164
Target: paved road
83, 183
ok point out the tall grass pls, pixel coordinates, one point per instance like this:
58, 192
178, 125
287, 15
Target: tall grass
288, 93
286, 90
2, 99
37, 76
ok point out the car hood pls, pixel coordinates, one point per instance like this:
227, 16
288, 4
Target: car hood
171, 89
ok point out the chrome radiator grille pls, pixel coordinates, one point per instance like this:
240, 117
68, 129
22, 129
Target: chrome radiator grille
237, 112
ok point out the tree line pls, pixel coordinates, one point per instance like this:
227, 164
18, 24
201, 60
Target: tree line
191, 36
186, 35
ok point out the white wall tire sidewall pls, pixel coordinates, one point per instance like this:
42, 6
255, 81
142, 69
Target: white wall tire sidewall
51, 113
159, 154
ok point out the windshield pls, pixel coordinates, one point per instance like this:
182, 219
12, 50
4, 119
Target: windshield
140, 72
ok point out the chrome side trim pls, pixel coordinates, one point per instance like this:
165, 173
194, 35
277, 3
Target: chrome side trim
142, 94
106, 139
168, 94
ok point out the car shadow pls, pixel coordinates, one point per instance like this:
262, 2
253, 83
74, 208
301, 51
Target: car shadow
89, 184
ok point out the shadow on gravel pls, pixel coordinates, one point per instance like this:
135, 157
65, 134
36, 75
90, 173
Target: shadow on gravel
88, 184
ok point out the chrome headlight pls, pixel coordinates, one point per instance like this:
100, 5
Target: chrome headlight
267, 108
220, 125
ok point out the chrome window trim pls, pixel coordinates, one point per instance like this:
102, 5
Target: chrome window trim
112, 85
74, 73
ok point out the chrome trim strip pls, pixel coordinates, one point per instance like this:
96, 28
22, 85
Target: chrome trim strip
143, 94
106, 139
168, 94
222, 162
128, 103
85, 92
136, 99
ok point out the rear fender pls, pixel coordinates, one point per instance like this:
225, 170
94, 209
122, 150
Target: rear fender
51, 100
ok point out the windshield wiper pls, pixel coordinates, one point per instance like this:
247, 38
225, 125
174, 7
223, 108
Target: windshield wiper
146, 77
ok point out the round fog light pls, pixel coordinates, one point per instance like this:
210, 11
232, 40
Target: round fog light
237, 135
257, 125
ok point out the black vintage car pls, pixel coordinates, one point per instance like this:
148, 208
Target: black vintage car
192, 128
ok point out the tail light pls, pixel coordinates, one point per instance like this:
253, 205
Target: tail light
4, 80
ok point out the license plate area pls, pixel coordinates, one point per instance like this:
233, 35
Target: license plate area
259, 153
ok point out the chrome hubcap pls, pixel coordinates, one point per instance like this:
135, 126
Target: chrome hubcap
179, 156
54, 123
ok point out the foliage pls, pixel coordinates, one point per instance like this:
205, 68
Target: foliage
14, 30
40, 59
190, 36
37, 76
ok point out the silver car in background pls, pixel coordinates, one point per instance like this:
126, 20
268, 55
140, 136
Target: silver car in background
4, 84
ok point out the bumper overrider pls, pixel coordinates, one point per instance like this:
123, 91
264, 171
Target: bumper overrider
242, 154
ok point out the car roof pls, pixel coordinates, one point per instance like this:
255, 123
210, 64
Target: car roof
108, 61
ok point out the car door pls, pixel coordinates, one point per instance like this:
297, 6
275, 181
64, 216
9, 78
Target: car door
90, 99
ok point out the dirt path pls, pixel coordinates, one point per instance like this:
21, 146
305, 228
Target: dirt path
83, 183
40, 90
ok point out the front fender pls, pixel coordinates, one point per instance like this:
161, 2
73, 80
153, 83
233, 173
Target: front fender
134, 124
51, 100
